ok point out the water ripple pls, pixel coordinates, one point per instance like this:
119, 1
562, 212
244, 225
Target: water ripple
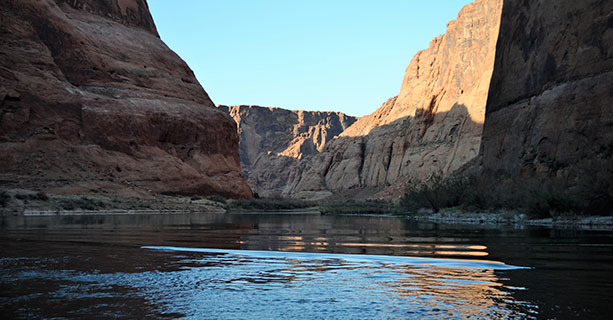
276, 284
362, 258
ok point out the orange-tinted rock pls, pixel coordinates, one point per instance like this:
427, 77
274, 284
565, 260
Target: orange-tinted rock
433, 125
93, 101
550, 103
274, 140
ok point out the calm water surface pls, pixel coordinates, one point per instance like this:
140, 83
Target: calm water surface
302, 266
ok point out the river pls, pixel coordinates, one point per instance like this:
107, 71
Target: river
300, 266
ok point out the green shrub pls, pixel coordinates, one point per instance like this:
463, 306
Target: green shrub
595, 185
90, 204
269, 204
550, 205
40, 196
601, 204
584, 187
5, 198
86, 203
67, 204
217, 198
435, 193
371, 206
83, 202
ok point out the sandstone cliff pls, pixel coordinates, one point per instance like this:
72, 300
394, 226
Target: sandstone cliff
93, 101
273, 140
433, 125
549, 112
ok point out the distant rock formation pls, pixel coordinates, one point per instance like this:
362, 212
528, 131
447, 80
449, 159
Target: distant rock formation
550, 107
274, 140
92, 101
433, 125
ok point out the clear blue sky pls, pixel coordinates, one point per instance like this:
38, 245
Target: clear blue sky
337, 55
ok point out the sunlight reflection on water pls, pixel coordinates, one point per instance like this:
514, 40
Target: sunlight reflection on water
283, 284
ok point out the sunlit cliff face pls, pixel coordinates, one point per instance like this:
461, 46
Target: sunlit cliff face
455, 70
433, 126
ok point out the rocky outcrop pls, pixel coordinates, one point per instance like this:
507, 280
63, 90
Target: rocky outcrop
274, 140
93, 101
549, 111
433, 125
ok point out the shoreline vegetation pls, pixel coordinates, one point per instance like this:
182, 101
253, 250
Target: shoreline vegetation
19, 202
14, 202
574, 194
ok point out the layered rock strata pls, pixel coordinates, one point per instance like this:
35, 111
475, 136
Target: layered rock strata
434, 125
93, 101
274, 140
549, 112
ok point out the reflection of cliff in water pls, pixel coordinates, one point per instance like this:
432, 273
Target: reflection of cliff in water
276, 232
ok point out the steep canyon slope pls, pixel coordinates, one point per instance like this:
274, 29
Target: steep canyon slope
434, 125
273, 140
549, 112
92, 101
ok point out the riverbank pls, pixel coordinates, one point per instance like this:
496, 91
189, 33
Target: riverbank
17, 202
497, 219
36, 203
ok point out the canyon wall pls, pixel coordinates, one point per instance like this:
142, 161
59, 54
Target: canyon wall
92, 101
549, 112
273, 140
434, 125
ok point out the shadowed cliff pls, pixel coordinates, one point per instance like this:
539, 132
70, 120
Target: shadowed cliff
551, 91
549, 120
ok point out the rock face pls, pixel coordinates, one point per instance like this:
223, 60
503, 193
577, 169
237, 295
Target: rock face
93, 101
433, 125
273, 140
550, 104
